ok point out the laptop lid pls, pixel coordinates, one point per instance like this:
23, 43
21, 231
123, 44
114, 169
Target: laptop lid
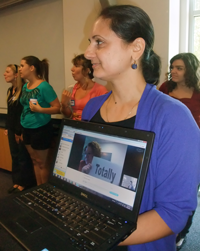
112, 180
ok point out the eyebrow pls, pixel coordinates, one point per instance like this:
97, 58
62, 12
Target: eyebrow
93, 37
178, 66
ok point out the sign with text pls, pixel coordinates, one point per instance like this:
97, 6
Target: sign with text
106, 170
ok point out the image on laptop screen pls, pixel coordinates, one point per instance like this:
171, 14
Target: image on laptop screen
105, 165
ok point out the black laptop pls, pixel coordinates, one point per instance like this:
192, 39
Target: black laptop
84, 206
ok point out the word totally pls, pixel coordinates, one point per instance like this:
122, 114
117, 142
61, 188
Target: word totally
106, 173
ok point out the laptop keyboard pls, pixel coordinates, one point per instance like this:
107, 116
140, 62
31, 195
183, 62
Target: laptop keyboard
86, 227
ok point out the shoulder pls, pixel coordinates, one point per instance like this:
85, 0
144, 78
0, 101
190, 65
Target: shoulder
161, 108
93, 106
99, 86
164, 88
98, 89
44, 84
196, 94
9, 89
24, 86
98, 99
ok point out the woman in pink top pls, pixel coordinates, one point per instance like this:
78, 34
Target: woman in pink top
73, 102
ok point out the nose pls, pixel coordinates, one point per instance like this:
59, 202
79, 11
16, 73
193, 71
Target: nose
173, 70
89, 53
72, 69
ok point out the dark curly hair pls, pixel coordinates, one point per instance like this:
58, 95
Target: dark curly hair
96, 149
191, 74
81, 60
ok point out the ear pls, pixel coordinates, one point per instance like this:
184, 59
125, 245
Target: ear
88, 70
138, 47
32, 68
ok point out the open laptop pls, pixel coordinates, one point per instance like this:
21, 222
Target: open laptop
84, 206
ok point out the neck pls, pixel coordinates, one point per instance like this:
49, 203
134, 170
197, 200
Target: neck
32, 80
124, 93
86, 83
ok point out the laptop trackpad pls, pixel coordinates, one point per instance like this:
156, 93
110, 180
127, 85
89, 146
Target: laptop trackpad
28, 224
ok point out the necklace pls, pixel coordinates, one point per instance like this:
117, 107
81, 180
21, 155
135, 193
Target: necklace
115, 104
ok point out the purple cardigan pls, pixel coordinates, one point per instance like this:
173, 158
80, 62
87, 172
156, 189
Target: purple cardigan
174, 171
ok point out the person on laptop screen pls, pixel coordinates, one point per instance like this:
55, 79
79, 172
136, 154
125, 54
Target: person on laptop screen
121, 51
91, 150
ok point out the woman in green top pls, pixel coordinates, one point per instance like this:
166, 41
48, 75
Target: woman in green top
39, 101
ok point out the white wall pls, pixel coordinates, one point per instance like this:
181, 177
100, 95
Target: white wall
79, 15
58, 29
33, 28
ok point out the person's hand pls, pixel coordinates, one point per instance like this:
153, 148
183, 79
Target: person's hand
66, 97
76, 116
17, 138
34, 107
6, 132
87, 168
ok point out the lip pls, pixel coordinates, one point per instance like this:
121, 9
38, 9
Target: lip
95, 65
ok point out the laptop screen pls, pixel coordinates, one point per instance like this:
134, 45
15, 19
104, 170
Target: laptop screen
107, 166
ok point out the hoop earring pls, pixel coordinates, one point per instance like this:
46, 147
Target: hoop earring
134, 65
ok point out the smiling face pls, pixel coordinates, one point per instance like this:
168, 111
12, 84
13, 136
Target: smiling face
9, 75
110, 56
77, 72
177, 71
88, 155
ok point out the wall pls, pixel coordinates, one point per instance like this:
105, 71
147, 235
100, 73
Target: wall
78, 22
58, 29
33, 28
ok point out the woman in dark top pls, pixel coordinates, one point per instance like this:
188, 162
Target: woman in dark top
22, 170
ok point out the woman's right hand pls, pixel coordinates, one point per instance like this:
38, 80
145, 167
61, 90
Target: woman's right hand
6, 132
66, 97
87, 168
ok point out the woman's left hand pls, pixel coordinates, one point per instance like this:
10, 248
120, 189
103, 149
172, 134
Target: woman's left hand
34, 107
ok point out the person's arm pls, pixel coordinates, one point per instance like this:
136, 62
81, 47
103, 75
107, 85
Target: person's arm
150, 227
54, 109
66, 108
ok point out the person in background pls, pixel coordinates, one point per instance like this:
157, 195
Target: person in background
91, 150
121, 52
184, 85
72, 103
131, 185
22, 168
39, 101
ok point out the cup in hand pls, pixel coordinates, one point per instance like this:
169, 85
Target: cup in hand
33, 100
